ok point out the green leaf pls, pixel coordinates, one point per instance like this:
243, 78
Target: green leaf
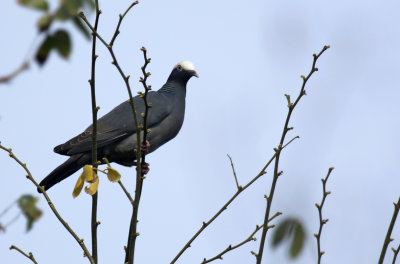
290, 229
35, 4
298, 240
45, 22
62, 13
59, 41
72, 5
44, 50
27, 203
62, 43
82, 27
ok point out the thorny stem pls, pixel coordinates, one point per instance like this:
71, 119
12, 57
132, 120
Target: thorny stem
29, 255
322, 221
388, 239
95, 109
53, 208
234, 172
396, 252
250, 238
278, 150
225, 206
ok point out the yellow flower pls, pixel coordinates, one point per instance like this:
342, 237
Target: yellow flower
89, 176
113, 175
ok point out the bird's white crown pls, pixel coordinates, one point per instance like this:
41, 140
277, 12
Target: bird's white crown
186, 65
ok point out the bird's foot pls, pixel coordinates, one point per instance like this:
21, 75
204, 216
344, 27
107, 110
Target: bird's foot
145, 168
145, 147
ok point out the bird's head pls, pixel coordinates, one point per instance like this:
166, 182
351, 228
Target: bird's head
183, 71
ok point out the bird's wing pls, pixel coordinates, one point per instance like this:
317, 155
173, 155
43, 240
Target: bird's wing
118, 124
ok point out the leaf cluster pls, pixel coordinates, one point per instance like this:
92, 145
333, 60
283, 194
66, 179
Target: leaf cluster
58, 40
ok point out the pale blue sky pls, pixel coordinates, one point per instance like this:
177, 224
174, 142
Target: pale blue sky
248, 54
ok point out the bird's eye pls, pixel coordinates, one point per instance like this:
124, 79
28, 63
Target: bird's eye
179, 68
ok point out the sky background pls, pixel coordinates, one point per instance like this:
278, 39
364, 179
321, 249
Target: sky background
248, 54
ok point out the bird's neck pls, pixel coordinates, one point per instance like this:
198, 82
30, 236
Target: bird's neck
174, 88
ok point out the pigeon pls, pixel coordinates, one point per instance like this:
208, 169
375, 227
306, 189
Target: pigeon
116, 131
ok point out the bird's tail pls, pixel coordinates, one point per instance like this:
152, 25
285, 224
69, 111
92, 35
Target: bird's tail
66, 169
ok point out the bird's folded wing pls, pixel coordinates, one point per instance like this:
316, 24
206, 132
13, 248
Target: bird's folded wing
118, 124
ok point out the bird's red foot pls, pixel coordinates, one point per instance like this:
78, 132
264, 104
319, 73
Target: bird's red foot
145, 168
145, 147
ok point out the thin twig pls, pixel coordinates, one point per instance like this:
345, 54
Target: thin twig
53, 208
250, 238
8, 208
133, 234
132, 229
225, 206
395, 252
119, 22
388, 239
278, 150
127, 193
12, 220
234, 173
322, 221
29, 255
95, 109
6, 78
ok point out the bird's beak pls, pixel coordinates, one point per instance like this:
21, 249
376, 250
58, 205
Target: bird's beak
194, 73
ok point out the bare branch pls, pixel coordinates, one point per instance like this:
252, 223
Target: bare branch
95, 109
322, 221
121, 17
132, 229
396, 252
127, 193
286, 128
250, 238
234, 173
225, 206
6, 78
29, 255
53, 208
388, 239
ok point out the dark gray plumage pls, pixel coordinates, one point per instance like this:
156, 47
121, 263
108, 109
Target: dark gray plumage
116, 131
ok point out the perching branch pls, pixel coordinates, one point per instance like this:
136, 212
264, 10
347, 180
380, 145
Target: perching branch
132, 230
95, 109
29, 255
388, 239
133, 234
234, 173
286, 128
250, 238
225, 206
322, 221
53, 208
